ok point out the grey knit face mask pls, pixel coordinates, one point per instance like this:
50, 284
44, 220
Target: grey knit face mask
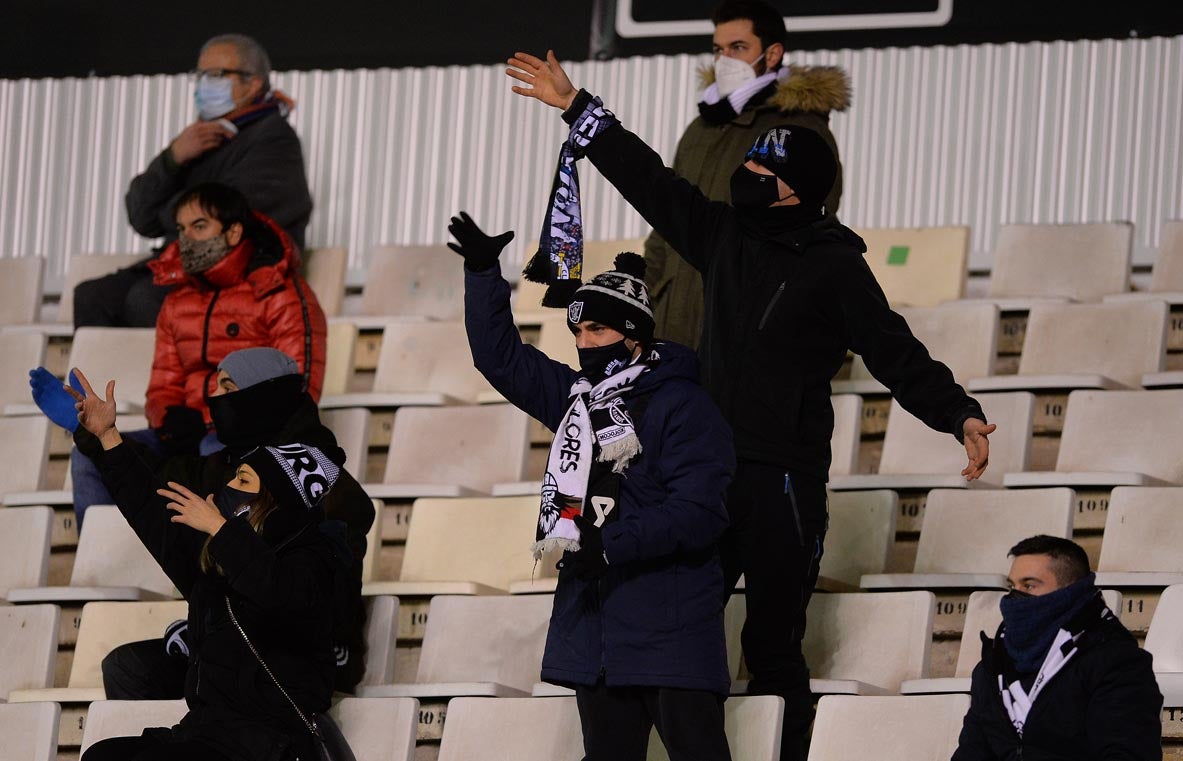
199, 255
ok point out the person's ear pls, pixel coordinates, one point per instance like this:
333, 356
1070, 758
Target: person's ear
254, 89
234, 234
773, 56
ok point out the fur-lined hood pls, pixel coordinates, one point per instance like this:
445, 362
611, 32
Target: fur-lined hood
807, 88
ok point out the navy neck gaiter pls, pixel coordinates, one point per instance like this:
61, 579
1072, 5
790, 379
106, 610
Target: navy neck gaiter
1030, 623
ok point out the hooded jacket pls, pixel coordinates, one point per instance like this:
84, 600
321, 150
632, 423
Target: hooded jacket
263, 161
253, 297
346, 503
283, 584
708, 154
1103, 704
781, 311
655, 618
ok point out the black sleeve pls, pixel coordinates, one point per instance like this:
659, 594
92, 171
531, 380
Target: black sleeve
298, 580
692, 224
530, 380
923, 386
972, 744
1124, 716
176, 547
150, 195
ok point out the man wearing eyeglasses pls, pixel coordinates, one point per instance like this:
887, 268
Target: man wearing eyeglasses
241, 138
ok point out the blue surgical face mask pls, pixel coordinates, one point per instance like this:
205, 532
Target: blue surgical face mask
214, 97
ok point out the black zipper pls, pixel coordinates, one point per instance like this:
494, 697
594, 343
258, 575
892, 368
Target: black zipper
296, 283
772, 304
603, 639
793, 502
209, 314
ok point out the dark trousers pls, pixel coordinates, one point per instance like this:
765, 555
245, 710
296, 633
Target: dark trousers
144, 671
778, 526
126, 298
149, 749
617, 720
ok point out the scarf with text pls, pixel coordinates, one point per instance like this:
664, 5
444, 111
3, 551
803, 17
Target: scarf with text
559, 258
593, 444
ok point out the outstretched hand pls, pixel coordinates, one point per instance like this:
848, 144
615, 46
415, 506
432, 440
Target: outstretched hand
977, 447
546, 79
191, 510
480, 251
95, 413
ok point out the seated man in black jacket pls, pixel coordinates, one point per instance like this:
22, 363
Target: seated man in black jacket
1063, 679
786, 294
260, 401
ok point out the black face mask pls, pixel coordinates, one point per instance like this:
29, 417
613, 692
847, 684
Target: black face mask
1017, 594
602, 361
229, 500
752, 190
253, 416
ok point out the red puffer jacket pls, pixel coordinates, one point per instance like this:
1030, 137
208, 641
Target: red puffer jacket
253, 297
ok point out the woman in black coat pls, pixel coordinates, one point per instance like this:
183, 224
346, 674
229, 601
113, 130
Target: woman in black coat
269, 568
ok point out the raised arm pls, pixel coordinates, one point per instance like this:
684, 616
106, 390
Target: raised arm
134, 486
690, 222
530, 380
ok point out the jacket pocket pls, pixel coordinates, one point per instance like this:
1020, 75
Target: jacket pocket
771, 305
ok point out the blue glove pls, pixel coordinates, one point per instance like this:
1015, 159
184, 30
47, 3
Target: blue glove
53, 399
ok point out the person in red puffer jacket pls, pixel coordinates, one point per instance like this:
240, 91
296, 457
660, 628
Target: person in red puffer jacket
238, 285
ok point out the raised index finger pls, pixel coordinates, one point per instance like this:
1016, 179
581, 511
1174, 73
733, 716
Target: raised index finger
85, 383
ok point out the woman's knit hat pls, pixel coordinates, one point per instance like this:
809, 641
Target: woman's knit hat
295, 474
617, 298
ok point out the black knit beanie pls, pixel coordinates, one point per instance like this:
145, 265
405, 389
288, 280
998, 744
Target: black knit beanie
295, 474
801, 158
617, 298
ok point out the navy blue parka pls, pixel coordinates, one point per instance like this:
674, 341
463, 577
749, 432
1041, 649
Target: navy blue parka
655, 618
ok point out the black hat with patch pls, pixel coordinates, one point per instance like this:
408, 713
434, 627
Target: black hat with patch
297, 475
617, 298
801, 158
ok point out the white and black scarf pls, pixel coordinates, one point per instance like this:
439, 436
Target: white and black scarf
1018, 701
596, 433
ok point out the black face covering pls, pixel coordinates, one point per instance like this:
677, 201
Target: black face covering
752, 190
229, 500
250, 417
602, 361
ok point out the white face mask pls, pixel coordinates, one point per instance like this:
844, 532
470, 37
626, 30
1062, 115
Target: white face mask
731, 74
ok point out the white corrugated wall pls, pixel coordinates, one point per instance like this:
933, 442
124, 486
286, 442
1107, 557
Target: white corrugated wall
977, 135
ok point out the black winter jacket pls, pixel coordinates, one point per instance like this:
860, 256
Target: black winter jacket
1104, 705
347, 503
780, 314
263, 161
281, 583
655, 618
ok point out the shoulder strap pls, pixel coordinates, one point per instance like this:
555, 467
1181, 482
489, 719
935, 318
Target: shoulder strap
311, 725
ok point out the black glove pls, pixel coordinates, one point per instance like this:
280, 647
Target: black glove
182, 430
590, 562
480, 251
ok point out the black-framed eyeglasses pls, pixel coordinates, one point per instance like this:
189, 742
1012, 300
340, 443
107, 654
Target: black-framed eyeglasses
200, 74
